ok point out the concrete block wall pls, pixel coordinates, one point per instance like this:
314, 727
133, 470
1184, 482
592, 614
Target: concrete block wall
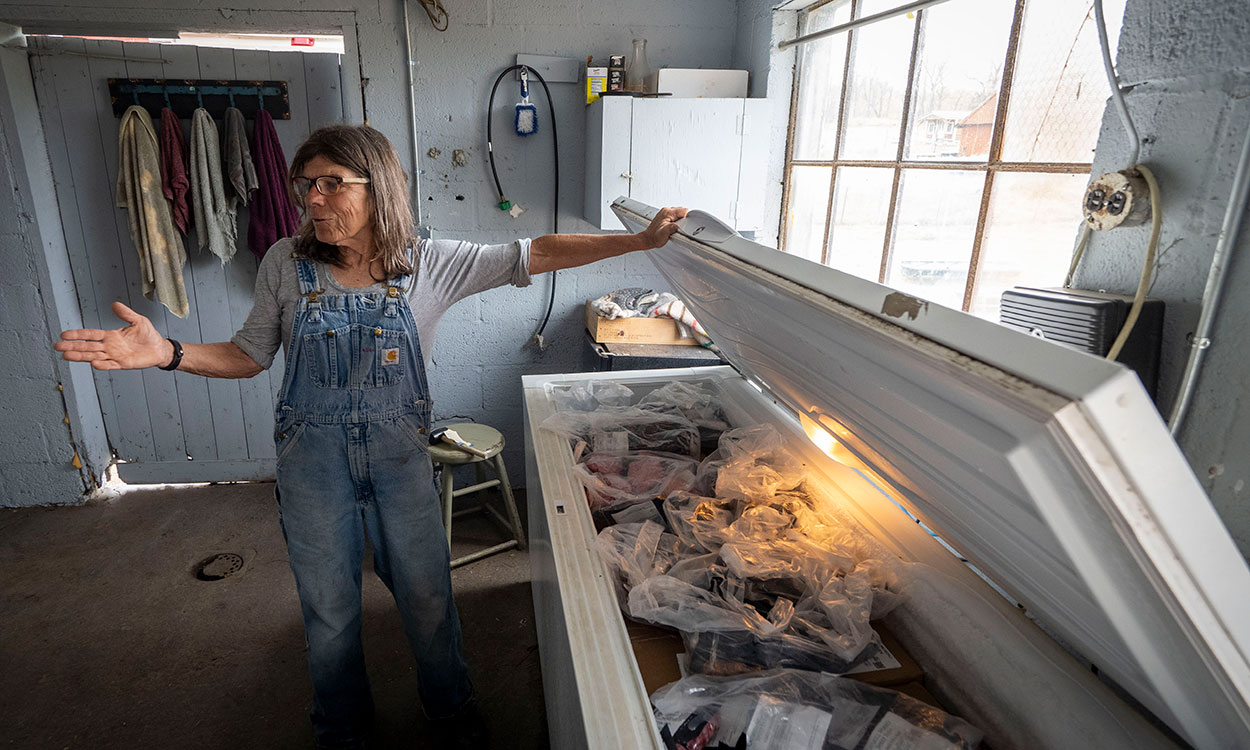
36, 453
1188, 67
483, 344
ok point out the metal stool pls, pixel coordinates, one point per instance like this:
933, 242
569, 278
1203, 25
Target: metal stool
490, 441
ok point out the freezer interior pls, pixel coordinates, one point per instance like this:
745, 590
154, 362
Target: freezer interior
983, 656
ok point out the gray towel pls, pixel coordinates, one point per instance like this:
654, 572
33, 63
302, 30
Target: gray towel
161, 254
214, 218
239, 166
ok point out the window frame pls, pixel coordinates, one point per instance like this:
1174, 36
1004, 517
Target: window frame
993, 164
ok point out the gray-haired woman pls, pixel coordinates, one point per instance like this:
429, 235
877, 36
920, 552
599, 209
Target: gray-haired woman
355, 298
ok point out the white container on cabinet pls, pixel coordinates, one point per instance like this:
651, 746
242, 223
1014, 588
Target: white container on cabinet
710, 153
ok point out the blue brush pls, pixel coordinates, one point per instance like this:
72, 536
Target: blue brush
526, 113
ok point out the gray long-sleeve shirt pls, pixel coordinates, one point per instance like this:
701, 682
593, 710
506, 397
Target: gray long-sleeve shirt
447, 271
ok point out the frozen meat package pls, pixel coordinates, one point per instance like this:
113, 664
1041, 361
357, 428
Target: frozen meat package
787, 709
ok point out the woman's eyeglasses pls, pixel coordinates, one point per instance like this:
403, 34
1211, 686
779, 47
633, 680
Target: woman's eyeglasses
326, 184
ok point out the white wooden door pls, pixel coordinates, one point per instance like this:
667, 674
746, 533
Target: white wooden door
167, 427
687, 152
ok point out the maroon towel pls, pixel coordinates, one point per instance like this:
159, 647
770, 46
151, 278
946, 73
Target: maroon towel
174, 182
273, 214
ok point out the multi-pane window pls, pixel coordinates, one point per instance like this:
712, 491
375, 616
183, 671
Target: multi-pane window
945, 152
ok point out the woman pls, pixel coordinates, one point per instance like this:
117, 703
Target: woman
355, 299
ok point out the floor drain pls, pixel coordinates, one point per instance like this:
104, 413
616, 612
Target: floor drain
219, 566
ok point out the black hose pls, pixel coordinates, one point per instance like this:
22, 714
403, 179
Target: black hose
555, 149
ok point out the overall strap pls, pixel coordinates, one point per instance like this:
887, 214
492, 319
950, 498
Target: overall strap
309, 288
396, 290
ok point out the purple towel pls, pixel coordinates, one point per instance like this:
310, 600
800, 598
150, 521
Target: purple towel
174, 182
273, 214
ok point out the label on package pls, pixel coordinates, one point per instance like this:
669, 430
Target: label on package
878, 662
609, 442
779, 724
896, 733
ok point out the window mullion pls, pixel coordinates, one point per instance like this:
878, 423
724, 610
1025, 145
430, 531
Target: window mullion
837, 142
996, 151
888, 240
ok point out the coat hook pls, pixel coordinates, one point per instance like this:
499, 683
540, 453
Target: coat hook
231, 92
260, 94
134, 94
200, 98
167, 104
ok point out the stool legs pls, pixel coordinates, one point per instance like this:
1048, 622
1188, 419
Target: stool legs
509, 502
448, 487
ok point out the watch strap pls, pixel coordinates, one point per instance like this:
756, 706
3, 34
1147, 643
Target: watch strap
177, 360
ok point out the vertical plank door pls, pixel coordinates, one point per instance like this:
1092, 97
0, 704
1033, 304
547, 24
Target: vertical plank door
167, 427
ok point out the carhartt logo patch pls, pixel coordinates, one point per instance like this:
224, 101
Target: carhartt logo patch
390, 356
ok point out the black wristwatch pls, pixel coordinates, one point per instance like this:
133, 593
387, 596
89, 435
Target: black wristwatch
177, 360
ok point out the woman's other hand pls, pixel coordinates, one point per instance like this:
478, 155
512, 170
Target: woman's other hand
134, 347
662, 227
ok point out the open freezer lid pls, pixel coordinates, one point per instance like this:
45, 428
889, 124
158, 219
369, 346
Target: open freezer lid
1048, 468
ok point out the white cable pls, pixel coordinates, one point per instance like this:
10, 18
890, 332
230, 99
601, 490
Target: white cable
1117, 95
1148, 263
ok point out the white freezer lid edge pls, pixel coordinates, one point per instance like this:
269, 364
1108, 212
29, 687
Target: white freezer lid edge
1121, 532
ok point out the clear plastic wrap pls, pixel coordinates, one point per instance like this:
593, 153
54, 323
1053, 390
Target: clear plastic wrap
785, 709
613, 481
589, 395
626, 428
698, 402
635, 552
750, 464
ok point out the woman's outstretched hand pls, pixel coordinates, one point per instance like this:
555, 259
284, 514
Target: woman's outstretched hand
662, 227
134, 347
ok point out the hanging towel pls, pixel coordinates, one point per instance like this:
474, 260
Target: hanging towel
215, 225
174, 169
239, 168
273, 214
161, 255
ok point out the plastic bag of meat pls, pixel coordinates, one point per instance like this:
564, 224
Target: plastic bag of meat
786, 709
698, 402
613, 481
623, 429
589, 395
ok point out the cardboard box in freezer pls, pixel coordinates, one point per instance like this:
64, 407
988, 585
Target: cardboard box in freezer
1050, 470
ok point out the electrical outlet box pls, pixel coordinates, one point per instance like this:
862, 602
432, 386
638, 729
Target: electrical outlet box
552, 69
1117, 199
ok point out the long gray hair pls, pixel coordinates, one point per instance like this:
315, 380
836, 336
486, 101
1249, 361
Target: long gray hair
369, 154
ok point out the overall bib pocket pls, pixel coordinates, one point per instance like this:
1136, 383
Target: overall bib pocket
327, 356
356, 356
286, 436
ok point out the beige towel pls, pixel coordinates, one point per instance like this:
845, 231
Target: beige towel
161, 254
215, 224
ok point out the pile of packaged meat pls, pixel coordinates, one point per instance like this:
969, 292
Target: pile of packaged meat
714, 532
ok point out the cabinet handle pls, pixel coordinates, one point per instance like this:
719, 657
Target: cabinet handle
627, 175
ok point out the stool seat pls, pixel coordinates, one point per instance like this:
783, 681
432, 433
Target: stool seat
483, 437
445, 455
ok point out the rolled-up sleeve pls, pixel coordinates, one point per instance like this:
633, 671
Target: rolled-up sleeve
457, 269
261, 334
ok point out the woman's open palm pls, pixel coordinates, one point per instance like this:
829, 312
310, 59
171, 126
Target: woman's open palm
134, 347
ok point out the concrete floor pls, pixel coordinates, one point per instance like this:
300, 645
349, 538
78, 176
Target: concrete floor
108, 640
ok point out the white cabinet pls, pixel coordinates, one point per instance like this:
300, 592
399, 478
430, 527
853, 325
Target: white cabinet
709, 153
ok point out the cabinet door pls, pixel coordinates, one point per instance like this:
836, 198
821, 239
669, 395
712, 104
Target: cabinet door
686, 152
607, 158
757, 124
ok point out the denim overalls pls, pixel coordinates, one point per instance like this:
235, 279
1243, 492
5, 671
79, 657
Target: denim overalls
353, 458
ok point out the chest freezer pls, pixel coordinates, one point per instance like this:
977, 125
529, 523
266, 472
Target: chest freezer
1047, 469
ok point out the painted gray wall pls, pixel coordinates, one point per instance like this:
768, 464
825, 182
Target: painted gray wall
34, 430
483, 345
1194, 108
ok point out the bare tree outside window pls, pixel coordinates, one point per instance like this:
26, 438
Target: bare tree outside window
945, 152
